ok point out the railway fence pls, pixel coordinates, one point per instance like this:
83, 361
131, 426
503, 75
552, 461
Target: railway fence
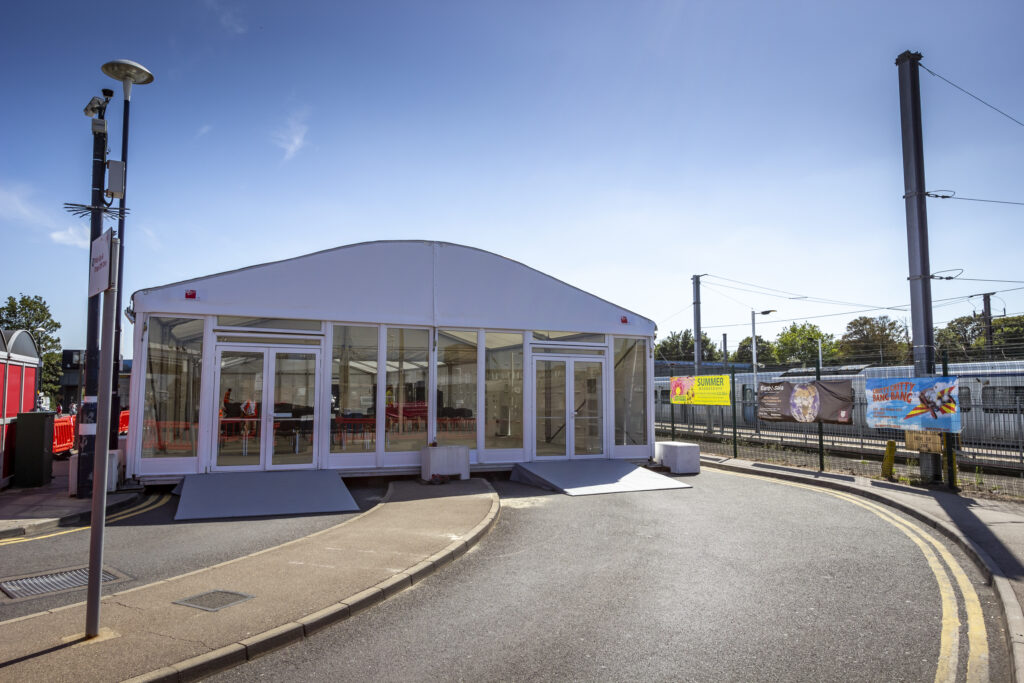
988, 454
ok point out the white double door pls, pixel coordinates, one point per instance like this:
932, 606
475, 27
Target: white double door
569, 414
266, 407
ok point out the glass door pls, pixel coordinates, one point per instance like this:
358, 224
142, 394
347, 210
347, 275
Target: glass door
569, 408
240, 410
265, 424
552, 436
292, 435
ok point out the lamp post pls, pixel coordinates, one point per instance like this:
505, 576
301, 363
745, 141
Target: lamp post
753, 346
86, 423
128, 73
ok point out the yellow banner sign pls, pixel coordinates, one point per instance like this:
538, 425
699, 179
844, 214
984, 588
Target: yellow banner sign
706, 390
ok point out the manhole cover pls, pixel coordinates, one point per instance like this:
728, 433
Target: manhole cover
214, 600
50, 583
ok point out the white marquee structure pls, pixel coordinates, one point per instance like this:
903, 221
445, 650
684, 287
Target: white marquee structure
356, 358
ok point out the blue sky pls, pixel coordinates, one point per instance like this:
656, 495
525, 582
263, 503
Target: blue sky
619, 146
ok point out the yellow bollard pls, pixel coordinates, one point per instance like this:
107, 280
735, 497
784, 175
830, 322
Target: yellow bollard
889, 460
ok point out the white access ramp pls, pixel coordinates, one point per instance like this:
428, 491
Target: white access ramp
590, 477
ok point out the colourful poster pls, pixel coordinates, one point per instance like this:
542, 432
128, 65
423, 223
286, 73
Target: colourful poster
818, 401
705, 390
914, 403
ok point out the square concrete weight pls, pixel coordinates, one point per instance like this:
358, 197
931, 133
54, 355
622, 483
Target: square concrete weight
678, 456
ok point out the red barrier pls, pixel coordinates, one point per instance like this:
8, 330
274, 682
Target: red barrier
63, 434
122, 423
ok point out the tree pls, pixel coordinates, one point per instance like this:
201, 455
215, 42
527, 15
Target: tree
798, 343
959, 336
33, 314
878, 339
765, 352
679, 346
1007, 337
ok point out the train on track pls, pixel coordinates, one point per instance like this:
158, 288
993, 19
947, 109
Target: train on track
991, 403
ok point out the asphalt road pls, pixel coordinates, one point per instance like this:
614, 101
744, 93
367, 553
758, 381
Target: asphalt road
152, 546
736, 579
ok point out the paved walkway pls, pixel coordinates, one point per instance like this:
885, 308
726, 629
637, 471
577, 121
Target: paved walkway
33, 510
296, 588
991, 532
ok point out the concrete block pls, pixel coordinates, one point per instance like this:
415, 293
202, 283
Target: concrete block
262, 643
679, 457
444, 460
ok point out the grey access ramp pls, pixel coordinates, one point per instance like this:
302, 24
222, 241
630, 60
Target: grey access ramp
219, 495
590, 477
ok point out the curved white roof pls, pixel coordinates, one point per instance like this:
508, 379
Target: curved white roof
410, 282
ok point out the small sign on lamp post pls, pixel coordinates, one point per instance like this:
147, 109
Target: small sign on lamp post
99, 264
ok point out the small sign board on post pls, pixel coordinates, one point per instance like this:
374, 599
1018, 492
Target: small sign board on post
924, 441
99, 264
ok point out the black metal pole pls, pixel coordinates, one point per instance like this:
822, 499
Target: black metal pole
697, 352
115, 391
732, 384
821, 433
87, 412
951, 481
917, 215
672, 413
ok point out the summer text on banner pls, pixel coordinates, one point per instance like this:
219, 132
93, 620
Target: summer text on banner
818, 401
913, 403
705, 390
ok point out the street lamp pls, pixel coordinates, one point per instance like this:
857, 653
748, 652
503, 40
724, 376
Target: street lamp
753, 341
129, 73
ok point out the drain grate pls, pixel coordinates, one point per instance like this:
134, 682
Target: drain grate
50, 583
214, 600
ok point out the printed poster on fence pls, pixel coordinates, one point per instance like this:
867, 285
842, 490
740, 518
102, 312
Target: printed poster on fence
705, 390
820, 401
914, 403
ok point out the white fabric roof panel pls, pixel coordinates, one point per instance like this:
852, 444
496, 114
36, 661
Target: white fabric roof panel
399, 282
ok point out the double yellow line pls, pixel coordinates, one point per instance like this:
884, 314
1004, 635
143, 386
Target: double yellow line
949, 640
150, 503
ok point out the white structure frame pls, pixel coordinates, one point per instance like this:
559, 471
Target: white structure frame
436, 286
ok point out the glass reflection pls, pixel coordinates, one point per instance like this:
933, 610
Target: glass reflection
456, 388
408, 351
503, 390
354, 390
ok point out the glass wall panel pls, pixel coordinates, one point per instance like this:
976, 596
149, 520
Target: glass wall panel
268, 323
170, 411
630, 392
503, 391
574, 337
408, 354
456, 388
354, 390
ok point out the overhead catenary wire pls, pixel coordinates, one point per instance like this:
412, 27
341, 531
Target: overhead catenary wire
952, 195
967, 92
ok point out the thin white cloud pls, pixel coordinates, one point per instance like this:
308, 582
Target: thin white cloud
154, 240
73, 236
292, 137
206, 128
16, 205
228, 16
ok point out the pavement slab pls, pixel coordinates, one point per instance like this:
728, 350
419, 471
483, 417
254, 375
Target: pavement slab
354, 564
